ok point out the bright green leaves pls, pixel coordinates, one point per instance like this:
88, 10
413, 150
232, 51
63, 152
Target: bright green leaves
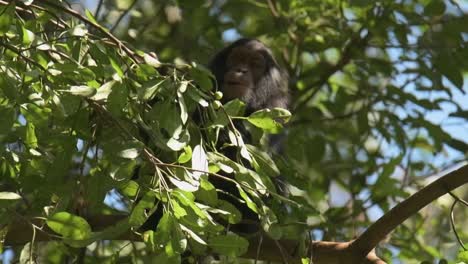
186, 155
79, 30
81, 90
69, 226
463, 256
270, 120
27, 36
77, 232
9, 196
31, 139
152, 61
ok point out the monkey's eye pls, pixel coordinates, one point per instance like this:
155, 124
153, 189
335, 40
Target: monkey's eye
257, 63
231, 63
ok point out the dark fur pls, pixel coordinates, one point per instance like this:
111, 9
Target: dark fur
270, 91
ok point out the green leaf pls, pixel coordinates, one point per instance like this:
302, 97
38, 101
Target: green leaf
27, 36
193, 235
232, 108
460, 113
130, 188
263, 163
207, 192
26, 253
69, 226
231, 245
199, 161
116, 67
184, 185
168, 127
182, 106
446, 64
8, 119
123, 171
361, 3
186, 155
90, 16
104, 91
247, 199
118, 99
434, 8
197, 96
234, 216
144, 208
9, 196
81, 90
130, 153
149, 89
31, 139
8, 86
7, 17
458, 145
162, 234
202, 76
270, 120
188, 199
79, 30
151, 60
178, 210
167, 259
463, 256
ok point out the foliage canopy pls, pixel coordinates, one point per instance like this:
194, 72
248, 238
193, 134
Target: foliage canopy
83, 107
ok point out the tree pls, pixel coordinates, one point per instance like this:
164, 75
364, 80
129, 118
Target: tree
85, 106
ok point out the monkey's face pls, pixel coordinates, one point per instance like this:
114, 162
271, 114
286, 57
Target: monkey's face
245, 67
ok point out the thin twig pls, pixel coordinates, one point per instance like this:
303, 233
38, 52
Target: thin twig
17, 51
452, 224
117, 22
452, 218
103, 30
98, 9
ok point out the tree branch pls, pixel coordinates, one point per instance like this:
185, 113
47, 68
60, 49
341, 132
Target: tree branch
323, 252
377, 231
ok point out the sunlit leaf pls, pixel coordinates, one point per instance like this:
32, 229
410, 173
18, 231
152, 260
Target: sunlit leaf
9, 196
69, 226
270, 120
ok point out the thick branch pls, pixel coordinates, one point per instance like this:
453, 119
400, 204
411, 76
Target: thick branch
377, 232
